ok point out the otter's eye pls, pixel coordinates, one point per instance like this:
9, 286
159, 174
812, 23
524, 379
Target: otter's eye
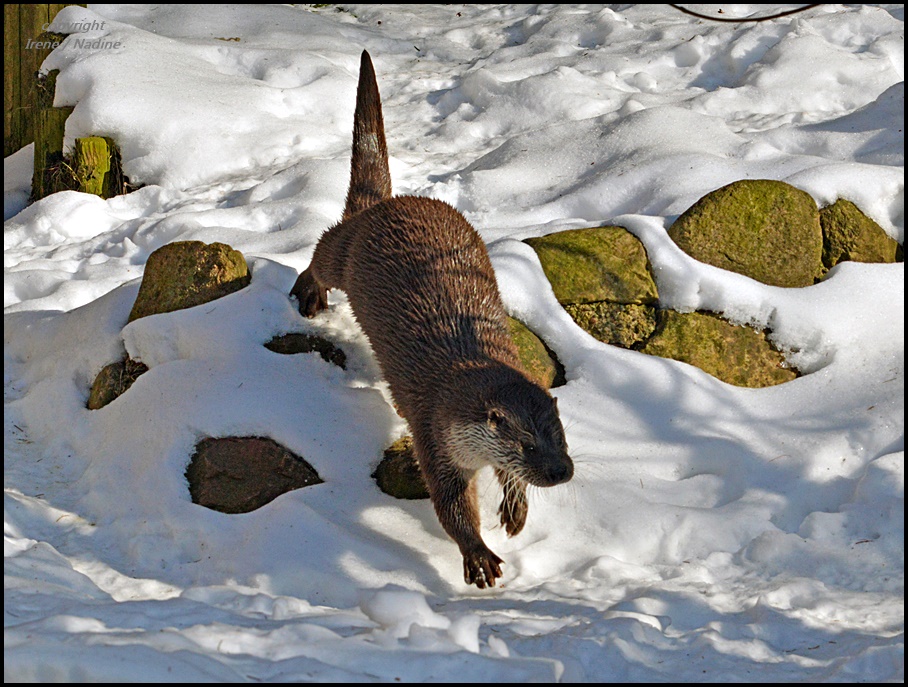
528, 448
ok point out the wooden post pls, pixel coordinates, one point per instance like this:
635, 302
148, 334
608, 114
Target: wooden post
96, 164
29, 113
51, 170
22, 25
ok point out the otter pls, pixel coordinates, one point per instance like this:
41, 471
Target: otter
421, 285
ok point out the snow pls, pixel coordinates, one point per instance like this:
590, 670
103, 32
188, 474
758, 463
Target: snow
711, 533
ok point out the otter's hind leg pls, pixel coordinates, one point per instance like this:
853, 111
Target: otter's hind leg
312, 296
327, 267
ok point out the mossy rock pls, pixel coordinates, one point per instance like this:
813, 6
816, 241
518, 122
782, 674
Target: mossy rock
597, 264
539, 362
615, 323
241, 474
113, 381
184, 274
849, 234
398, 474
296, 342
735, 354
767, 230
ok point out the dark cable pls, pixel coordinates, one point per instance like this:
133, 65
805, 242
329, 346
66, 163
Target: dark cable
725, 19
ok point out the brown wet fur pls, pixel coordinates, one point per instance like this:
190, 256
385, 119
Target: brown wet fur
421, 285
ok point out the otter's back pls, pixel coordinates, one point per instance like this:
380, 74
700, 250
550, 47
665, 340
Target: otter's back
422, 286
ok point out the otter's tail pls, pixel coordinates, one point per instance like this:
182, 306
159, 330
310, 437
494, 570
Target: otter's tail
370, 180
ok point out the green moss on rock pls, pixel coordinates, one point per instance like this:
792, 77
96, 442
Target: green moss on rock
767, 230
538, 360
615, 323
735, 354
849, 234
597, 264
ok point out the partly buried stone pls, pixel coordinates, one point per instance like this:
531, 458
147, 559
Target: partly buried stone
240, 474
398, 473
296, 342
184, 274
178, 275
849, 234
619, 324
603, 279
596, 264
735, 354
537, 359
767, 230
113, 380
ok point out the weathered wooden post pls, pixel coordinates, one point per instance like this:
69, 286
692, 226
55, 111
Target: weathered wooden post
23, 54
30, 115
48, 124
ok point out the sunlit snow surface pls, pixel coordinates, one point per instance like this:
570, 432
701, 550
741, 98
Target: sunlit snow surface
711, 533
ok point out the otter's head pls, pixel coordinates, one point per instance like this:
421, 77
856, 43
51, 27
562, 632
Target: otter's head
512, 424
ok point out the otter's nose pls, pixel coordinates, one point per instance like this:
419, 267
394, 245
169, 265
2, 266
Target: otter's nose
558, 472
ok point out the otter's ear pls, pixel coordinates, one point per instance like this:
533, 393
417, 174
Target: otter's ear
494, 417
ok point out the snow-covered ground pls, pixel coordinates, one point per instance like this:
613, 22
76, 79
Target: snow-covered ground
710, 533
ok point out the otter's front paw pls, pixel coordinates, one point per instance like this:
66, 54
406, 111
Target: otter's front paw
312, 296
514, 506
513, 514
481, 567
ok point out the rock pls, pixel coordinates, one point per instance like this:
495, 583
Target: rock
615, 323
597, 264
178, 275
538, 360
240, 474
603, 279
767, 230
735, 354
849, 234
290, 344
184, 274
398, 474
113, 380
